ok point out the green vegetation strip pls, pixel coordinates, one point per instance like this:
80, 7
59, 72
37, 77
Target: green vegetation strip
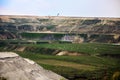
87, 48
85, 60
41, 35
66, 64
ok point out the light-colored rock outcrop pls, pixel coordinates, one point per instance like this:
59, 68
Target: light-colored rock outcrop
14, 67
68, 53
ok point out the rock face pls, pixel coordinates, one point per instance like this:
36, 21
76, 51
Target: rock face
14, 67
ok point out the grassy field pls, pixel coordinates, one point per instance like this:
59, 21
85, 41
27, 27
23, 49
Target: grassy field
94, 66
87, 60
76, 67
85, 48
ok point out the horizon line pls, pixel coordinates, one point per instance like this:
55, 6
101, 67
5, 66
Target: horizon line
59, 16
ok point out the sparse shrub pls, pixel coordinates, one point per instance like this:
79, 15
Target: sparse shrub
116, 76
2, 78
62, 79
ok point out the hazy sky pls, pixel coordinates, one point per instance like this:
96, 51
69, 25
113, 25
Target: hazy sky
81, 8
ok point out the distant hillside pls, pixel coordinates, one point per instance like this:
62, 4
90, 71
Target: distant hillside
60, 24
75, 25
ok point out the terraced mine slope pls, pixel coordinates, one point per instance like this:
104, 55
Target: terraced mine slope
60, 24
95, 29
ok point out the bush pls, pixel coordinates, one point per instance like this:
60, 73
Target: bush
2, 78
